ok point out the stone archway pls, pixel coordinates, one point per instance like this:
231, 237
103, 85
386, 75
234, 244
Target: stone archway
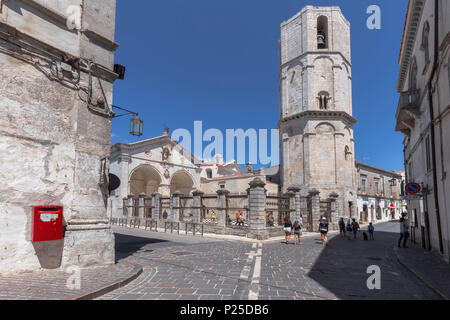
181, 181
145, 179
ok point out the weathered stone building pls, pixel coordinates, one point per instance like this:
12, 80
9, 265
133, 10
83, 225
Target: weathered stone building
423, 116
316, 123
56, 83
379, 194
160, 165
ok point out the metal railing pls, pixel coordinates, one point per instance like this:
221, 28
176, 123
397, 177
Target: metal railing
135, 223
151, 224
172, 226
410, 99
194, 228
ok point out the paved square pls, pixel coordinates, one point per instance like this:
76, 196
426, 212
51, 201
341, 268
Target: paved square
194, 268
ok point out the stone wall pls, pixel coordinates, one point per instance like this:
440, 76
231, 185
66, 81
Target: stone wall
51, 141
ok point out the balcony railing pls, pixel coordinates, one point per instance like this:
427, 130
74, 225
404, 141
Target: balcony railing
410, 100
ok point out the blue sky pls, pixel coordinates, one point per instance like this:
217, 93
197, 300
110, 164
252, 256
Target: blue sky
217, 61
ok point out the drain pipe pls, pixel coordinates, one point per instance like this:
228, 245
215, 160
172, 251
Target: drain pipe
432, 135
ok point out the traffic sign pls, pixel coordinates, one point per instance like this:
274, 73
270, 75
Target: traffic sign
413, 197
413, 188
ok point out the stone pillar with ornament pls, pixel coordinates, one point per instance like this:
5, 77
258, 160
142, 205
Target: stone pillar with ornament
175, 206
257, 210
334, 210
156, 206
294, 194
222, 212
314, 196
197, 206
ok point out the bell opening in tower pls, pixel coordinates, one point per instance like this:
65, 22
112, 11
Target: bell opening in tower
322, 32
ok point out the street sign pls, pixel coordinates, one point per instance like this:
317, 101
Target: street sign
413, 188
412, 197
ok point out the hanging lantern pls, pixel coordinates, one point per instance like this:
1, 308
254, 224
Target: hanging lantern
136, 125
393, 182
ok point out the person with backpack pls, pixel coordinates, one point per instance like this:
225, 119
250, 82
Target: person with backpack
349, 230
287, 228
323, 228
297, 232
342, 227
404, 230
355, 227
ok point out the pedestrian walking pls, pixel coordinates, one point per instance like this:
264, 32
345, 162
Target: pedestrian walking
355, 227
297, 232
371, 229
349, 230
242, 221
342, 227
323, 228
213, 216
287, 228
404, 230
238, 217
271, 220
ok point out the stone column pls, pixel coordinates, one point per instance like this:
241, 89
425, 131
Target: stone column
334, 210
147, 200
124, 161
124, 207
141, 213
257, 210
222, 208
175, 207
197, 205
156, 206
130, 206
294, 193
315, 209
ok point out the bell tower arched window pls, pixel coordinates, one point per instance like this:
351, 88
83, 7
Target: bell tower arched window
322, 32
324, 100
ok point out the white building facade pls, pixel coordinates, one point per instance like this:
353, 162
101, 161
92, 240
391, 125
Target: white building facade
379, 194
423, 116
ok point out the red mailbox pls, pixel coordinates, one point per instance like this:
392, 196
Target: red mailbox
47, 223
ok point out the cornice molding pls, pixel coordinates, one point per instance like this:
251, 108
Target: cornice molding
321, 114
408, 40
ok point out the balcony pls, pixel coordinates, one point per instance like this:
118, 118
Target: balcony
409, 100
408, 111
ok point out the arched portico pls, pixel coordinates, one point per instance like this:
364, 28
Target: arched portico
145, 179
181, 181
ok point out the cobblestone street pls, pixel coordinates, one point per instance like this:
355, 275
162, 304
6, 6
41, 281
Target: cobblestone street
186, 267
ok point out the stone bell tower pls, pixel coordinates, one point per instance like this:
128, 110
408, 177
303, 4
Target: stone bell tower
316, 123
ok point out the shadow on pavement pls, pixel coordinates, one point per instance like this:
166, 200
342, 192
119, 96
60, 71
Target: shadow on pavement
127, 245
342, 269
